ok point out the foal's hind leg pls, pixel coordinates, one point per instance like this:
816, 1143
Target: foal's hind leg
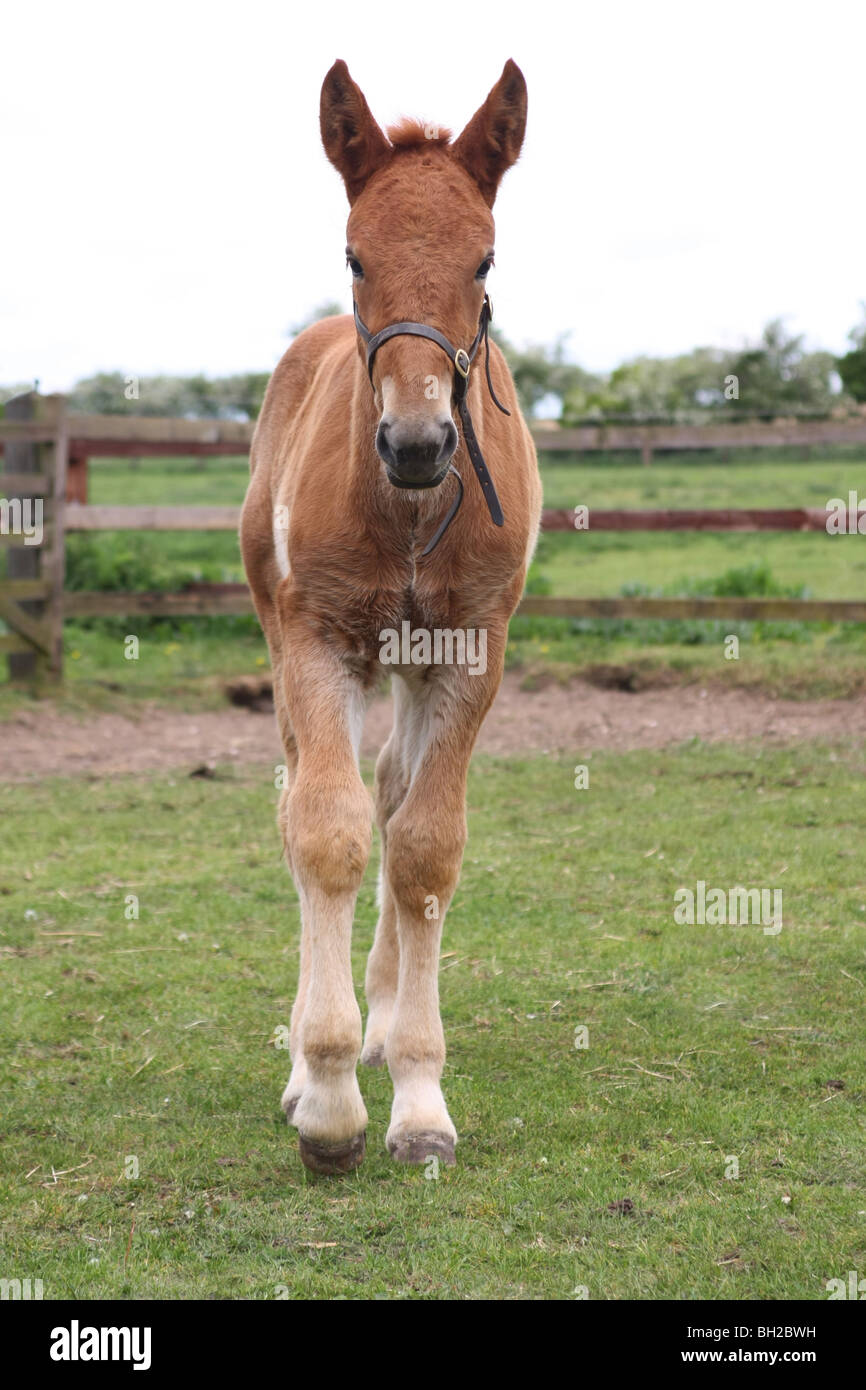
380, 984
426, 837
380, 981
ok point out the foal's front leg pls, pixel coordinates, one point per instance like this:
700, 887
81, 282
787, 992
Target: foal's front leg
327, 824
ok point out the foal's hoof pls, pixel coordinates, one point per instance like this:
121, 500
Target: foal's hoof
332, 1159
420, 1148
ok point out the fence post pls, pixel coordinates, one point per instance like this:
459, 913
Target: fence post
54, 564
76, 478
42, 616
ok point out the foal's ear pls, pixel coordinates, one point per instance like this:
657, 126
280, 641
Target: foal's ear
491, 142
353, 142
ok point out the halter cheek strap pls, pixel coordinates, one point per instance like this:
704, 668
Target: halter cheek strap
462, 360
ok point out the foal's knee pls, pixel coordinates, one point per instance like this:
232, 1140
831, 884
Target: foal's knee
424, 858
328, 833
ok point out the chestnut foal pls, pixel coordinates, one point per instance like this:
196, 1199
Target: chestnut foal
342, 538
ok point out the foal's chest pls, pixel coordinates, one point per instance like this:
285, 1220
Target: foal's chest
384, 627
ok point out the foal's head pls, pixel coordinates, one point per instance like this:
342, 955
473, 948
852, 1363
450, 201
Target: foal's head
419, 245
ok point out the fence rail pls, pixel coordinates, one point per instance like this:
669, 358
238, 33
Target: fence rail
739, 434
46, 453
183, 518
233, 599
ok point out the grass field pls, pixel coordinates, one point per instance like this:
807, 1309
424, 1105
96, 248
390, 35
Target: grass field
147, 1046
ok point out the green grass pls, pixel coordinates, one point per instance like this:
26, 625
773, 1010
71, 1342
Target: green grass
169, 482
764, 478
678, 561
154, 1039
183, 662
828, 663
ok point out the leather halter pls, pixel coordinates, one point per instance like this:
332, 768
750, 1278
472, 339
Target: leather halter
462, 360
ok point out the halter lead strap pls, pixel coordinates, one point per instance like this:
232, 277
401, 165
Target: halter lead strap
462, 361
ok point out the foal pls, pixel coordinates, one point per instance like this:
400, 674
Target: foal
350, 568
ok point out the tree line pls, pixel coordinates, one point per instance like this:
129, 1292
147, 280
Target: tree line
774, 376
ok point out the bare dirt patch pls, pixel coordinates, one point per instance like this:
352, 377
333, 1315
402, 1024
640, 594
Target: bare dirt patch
576, 719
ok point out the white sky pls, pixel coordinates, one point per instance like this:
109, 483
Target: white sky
690, 171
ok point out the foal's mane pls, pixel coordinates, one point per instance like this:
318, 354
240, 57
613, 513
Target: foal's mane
410, 133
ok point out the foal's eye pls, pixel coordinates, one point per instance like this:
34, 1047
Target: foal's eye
355, 266
483, 268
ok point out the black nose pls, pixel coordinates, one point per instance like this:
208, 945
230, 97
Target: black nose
417, 460
413, 460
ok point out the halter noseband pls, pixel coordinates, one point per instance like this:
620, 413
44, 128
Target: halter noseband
462, 361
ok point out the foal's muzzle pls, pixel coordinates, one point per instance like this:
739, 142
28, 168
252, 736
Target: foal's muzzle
416, 457
413, 469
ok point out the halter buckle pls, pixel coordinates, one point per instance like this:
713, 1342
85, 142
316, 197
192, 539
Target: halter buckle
462, 362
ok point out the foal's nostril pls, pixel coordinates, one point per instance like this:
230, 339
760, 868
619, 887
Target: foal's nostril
417, 458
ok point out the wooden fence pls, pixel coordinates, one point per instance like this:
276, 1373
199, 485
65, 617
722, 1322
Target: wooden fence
45, 473
739, 434
33, 502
